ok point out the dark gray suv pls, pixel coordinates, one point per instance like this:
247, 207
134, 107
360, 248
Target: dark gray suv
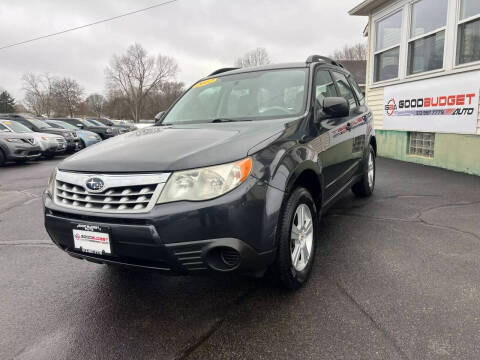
233, 177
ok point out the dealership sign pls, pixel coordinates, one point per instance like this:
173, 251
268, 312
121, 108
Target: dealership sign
447, 104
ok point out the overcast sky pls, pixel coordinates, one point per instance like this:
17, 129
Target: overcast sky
201, 35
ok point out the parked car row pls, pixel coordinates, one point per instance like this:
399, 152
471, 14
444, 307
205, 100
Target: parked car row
24, 137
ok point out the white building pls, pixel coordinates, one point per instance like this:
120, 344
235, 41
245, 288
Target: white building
423, 80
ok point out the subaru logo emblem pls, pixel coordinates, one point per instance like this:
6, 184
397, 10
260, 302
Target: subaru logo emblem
95, 184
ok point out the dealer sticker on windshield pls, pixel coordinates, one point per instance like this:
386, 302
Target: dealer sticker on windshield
205, 82
88, 241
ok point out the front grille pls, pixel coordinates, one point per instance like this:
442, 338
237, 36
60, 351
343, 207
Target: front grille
120, 194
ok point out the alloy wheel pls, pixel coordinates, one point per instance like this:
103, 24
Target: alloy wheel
371, 171
301, 237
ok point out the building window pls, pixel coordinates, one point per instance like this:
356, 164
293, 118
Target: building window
421, 144
468, 45
427, 36
387, 47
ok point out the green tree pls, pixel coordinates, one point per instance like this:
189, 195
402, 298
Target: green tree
7, 102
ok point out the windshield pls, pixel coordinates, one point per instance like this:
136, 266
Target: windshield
91, 122
62, 125
87, 122
16, 127
39, 123
259, 95
105, 121
55, 125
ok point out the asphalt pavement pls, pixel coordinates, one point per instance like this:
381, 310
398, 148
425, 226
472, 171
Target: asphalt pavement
396, 277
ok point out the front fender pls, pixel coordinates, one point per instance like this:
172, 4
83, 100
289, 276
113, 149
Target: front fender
5, 149
281, 166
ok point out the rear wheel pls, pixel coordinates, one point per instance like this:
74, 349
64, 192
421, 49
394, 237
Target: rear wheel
297, 240
81, 145
366, 185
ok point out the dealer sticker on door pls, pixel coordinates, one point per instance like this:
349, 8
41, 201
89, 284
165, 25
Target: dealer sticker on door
87, 240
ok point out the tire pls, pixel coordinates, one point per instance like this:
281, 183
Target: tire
21, 162
293, 275
81, 145
49, 156
2, 158
364, 188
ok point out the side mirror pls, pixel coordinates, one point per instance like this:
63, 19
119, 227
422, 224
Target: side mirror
80, 126
336, 107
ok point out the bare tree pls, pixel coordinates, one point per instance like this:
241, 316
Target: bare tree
68, 95
136, 74
95, 103
256, 57
351, 52
38, 93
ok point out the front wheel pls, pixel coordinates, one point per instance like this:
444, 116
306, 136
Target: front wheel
81, 145
296, 240
366, 185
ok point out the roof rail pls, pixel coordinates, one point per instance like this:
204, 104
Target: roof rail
318, 58
222, 70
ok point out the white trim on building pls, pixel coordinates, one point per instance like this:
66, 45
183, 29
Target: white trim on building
450, 65
395, 40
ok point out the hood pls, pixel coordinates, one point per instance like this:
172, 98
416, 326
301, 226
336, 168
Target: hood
56, 131
175, 147
9, 135
41, 136
86, 133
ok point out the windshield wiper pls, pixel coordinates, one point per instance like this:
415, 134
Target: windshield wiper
224, 120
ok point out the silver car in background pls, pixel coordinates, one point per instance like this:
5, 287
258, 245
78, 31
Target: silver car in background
17, 147
86, 137
50, 144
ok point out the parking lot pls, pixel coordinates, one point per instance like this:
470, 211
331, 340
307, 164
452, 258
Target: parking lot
396, 277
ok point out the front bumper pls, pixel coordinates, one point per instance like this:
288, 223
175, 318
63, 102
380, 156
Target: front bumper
24, 152
183, 237
61, 148
72, 144
106, 136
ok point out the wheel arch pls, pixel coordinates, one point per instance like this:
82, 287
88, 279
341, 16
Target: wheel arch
307, 175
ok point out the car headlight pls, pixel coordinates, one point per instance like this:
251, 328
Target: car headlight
14, 140
205, 183
109, 131
51, 183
